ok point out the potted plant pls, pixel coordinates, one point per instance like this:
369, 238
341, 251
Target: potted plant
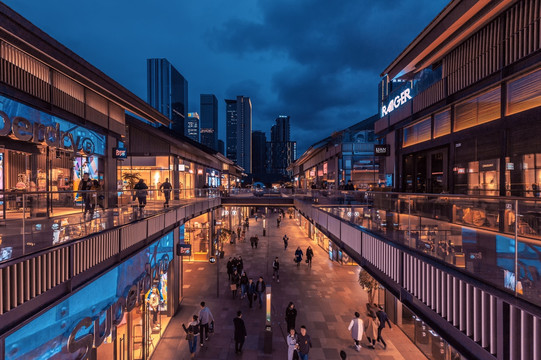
370, 285
131, 178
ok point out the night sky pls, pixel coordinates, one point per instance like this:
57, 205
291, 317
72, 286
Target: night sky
318, 61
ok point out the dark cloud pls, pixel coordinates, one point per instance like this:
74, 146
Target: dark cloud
315, 60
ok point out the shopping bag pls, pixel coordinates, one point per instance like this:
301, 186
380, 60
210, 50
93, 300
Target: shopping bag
233, 287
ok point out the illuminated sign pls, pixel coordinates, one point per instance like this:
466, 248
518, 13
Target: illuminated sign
396, 102
324, 168
193, 115
382, 150
199, 171
184, 249
312, 173
207, 131
120, 153
181, 167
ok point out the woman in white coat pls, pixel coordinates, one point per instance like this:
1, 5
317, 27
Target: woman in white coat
356, 327
291, 344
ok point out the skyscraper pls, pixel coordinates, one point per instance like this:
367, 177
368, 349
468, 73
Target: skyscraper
221, 147
192, 126
259, 154
167, 92
209, 120
281, 150
239, 131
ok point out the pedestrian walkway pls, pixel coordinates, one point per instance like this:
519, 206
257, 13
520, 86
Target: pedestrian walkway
326, 297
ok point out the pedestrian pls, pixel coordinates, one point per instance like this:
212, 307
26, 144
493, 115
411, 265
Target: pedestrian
243, 284
276, 269
205, 318
250, 291
166, 187
292, 346
260, 290
229, 268
278, 221
240, 264
256, 240
291, 315
305, 343
343, 355
238, 232
309, 255
98, 195
252, 241
286, 239
141, 193
255, 216
372, 330
383, 318
235, 280
191, 335
85, 185
298, 255
356, 327
247, 224
240, 332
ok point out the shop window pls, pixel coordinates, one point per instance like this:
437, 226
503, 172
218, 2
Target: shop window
417, 133
523, 175
524, 93
442, 123
478, 110
482, 177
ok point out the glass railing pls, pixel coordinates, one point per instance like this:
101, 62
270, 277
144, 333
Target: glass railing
497, 239
33, 221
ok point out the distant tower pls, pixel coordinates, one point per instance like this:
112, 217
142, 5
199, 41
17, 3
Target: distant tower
281, 150
221, 147
192, 126
259, 153
239, 131
209, 121
167, 92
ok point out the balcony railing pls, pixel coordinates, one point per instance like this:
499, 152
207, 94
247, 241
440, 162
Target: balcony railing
33, 221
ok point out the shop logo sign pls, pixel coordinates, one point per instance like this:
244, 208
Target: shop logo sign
113, 314
396, 102
24, 130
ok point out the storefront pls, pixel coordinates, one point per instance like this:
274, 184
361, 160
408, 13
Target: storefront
197, 232
154, 170
120, 315
41, 152
185, 179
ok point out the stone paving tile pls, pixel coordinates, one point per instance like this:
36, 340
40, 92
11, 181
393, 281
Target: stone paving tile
325, 295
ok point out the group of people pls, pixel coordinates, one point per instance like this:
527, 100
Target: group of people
202, 325
299, 254
377, 318
91, 193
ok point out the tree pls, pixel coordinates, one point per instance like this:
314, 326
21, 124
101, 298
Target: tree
131, 178
369, 284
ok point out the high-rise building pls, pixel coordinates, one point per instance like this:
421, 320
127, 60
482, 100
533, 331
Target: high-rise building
239, 131
167, 92
281, 151
259, 153
221, 147
209, 120
192, 126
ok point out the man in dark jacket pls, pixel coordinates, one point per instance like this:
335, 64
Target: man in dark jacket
85, 185
250, 291
166, 187
141, 193
276, 269
260, 288
383, 318
291, 315
240, 332
305, 343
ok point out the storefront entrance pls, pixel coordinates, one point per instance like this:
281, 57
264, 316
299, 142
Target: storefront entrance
425, 172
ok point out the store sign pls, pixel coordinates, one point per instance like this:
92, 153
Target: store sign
395, 103
212, 260
184, 249
312, 173
28, 124
382, 150
181, 167
120, 153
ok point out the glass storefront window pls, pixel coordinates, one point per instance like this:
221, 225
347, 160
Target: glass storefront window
197, 233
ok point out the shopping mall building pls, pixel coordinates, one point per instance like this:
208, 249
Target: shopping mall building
460, 107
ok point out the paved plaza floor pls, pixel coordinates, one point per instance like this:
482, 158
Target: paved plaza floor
326, 296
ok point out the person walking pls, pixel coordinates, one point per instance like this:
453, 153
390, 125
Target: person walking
383, 318
309, 255
141, 193
276, 269
298, 255
240, 264
191, 335
356, 327
278, 219
252, 241
240, 332
85, 185
372, 330
205, 318
256, 240
291, 315
305, 343
260, 288
243, 284
229, 268
286, 239
166, 187
250, 291
291, 341
235, 280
